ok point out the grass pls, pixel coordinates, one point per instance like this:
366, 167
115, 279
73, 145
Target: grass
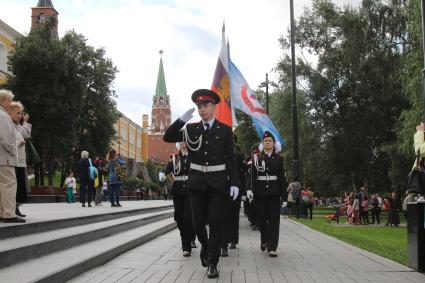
384, 241
56, 180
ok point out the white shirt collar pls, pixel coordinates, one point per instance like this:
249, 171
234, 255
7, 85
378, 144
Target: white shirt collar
211, 122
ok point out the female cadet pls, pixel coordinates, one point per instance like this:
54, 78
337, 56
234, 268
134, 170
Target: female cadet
179, 166
268, 183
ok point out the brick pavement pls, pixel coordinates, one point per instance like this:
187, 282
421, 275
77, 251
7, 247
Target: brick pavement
305, 255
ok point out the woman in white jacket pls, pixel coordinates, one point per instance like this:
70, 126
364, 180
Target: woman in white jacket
8, 160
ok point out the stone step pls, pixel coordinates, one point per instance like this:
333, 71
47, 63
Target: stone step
64, 265
23, 248
38, 226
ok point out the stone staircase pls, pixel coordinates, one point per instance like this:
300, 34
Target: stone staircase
60, 249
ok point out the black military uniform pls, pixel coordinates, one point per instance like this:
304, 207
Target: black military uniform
179, 168
231, 223
269, 184
213, 169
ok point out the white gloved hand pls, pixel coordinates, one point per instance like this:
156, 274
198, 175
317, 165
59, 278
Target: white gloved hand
243, 198
162, 177
187, 115
249, 194
234, 192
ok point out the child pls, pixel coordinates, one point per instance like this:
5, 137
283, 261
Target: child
71, 186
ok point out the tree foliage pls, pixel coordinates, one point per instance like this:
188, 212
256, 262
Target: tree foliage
66, 86
350, 111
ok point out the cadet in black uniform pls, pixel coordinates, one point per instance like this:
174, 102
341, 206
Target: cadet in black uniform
269, 183
231, 225
213, 170
179, 167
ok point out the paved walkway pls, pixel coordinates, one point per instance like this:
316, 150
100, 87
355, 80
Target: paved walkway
40, 212
304, 256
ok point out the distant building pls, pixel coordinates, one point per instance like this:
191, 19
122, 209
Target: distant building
8, 37
129, 138
158, 150
43, 13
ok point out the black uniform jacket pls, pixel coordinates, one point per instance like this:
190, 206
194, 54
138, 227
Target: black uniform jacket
179, 187
273, 167
217, 148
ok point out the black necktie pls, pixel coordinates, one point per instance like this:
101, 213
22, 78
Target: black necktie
207, 127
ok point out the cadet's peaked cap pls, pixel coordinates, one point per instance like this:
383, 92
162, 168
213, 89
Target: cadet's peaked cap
202, 96
267, 134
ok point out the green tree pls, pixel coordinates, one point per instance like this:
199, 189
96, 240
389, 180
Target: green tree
354, 94
66, 86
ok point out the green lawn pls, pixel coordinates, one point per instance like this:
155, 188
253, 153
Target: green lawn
56, 180
389, 242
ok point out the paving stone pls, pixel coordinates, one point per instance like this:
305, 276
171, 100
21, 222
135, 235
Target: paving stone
304, 255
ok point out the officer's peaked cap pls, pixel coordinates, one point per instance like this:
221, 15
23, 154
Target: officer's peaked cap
202, 96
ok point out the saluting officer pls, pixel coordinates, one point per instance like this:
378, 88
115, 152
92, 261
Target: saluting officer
179, 168
213, 169
269, 183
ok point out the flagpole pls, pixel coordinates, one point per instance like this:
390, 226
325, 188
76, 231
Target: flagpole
294, 97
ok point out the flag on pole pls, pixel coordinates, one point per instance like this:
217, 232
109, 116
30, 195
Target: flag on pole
221, 85
243, 98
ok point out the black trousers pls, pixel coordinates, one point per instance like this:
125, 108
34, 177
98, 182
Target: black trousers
309, 210
207, 208
21, 187
183, 218
267, 209
230, 223
86, 187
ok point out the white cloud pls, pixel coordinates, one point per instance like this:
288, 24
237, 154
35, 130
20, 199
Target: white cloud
189, 31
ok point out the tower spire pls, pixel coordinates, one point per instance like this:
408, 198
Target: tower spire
161, 87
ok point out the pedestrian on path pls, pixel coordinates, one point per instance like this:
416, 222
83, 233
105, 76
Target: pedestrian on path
294, 196
269, 183
86, 184
179, 166
15, 111
213, 170
8, 160
115, 171
71, 186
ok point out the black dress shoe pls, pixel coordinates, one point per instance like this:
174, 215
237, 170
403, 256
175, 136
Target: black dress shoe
232, 246
212, 271
113, 205
263, 247
84, 205
224, 252
119, 205
17, 212
89, 205
193, 244
204, 255
14, 220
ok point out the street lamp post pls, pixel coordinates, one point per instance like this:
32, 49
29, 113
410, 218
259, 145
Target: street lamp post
296, 168
266, 84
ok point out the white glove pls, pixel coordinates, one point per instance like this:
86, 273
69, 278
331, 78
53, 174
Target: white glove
249, 195
187, 115
234, 192
162, 177
243, 198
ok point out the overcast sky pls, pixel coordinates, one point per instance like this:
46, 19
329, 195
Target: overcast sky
189, 31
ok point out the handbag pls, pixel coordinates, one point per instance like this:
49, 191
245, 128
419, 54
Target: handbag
416, 178
32, 155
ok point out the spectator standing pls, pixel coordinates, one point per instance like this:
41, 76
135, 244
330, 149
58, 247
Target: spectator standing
294, 189
8, 160
86, 185
15, 112
365, 210
116, 167
407, 199
376, 209
71, 186
356, 211
309, 203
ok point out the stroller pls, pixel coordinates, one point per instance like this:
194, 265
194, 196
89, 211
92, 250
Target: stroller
335, 217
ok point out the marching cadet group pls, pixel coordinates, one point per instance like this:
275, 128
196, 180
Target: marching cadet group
211, 178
